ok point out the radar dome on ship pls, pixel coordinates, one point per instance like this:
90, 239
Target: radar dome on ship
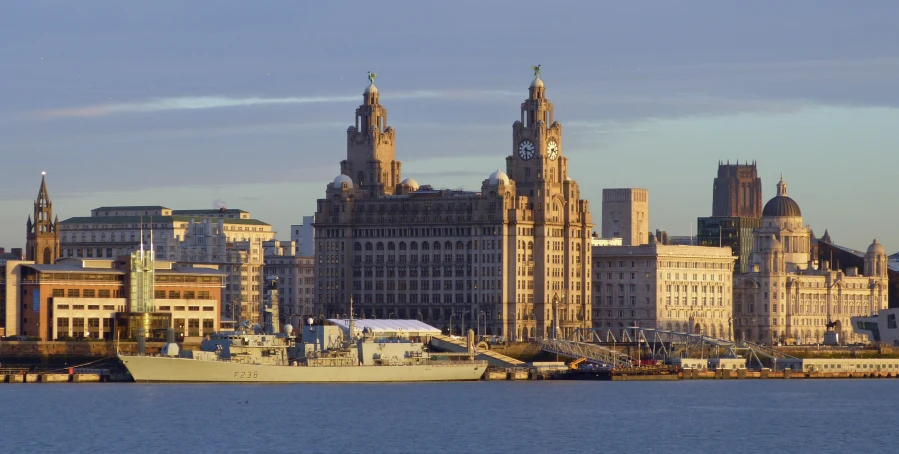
310, 321
288, 329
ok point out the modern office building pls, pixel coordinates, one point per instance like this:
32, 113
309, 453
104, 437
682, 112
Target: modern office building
229, 239
729, 231
677, 288
509, 256
76, 298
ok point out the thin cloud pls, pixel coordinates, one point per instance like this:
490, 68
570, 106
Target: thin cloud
214, 102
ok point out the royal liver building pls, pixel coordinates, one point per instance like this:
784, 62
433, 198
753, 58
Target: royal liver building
511, 259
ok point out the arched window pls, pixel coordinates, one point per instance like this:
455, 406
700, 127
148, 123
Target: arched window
448, 246
402, 245
460, 246
424, 246
357, 246
436, 245
368, 246
379, 246
391, 246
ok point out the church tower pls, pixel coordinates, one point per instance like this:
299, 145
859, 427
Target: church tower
371, 158
737, 191
43, 233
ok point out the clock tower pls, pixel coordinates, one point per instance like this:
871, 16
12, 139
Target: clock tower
552, 224
371, 158
536, 143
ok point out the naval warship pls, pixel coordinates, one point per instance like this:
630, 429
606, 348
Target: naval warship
329, 353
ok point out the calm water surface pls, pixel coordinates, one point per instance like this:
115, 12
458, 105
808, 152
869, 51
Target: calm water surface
491, 417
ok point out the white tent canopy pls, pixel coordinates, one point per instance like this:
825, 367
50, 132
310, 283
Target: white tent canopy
412, 327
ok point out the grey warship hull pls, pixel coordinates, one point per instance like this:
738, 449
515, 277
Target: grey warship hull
167, 369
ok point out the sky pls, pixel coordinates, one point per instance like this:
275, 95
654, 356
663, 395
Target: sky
187, 104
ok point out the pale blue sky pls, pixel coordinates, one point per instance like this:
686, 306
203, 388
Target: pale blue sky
185, 103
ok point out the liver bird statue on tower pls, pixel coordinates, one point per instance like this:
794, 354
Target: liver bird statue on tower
371, 77
536, 70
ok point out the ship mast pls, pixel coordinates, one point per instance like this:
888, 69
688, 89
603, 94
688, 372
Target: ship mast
352, 323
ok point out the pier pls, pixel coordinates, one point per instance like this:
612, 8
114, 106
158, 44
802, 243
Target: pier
73, 375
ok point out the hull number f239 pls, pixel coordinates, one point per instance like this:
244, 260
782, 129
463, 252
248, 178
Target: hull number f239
246, 375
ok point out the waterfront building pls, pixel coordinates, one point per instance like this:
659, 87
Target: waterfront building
597, 241
676, 288
14, 254
625, 215
509, 257
785, 297
737, 191
880, 328
227, 238
304, 236
295, 281
731, 231
75, 298
844, 257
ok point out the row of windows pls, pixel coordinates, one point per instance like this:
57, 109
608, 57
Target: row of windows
177, 294
663, 264
86, 293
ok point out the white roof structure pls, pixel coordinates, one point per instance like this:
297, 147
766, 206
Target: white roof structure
392, 325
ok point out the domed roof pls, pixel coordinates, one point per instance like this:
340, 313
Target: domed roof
370, 89
781, 205
536, 83
498, 176
413, 185
341, 179
876, 248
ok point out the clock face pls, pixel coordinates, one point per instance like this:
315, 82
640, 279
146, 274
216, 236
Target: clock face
526, 149
552, 150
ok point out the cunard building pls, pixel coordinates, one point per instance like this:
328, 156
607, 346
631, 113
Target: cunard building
507, 260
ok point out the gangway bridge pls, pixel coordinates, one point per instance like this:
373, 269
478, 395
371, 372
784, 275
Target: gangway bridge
459, 345
600, 346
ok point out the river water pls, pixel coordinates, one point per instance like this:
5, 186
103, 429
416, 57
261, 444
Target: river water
483, 417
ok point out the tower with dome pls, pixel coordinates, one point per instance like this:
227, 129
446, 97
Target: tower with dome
787, 296
512, 258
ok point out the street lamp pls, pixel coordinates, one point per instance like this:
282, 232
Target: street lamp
451, 323
420, 317
463, 320
479, 323
555, 324
389, 316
